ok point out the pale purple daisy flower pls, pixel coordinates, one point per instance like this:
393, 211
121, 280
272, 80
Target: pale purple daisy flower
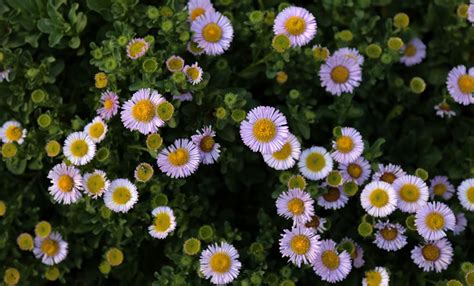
95, 183
440, 186
295, 204
299, 245
220, 263
315, 163
433, 220
164, 222
340, 74
466, 194
186, 96
197, 8
335, 198
175, 63
110, 104
435, 255
470, 12
388, 173
121, 196
136, 48
4, 75
461, 223
66, 184
316, 224
357, 255
11, 131
357, 171
330, 265
351, 53
412, 193
193, 73
286, 157
460, 84
79, 148
264, 130
52, 249
444, 109
378, 199
376, 277
413, 52
212, 32
347, 147
179, 160
390, 236
139, 112
208, 148
297, 23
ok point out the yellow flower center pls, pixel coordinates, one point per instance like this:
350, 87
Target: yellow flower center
378, 198
197, 12
108, 104
50, 247
410, 50
466, 83
300, 244
193, 73
136, 48
330, 259
373, 278
332, 195
96, 130
143, 110
13, 133
220, 262
79, 148
264, 130
283, 153
344, 144
430, 252
340, 74
354, 170
100, 80
175, 64
212, 32
162, 222
295, 25
315, 162
434, 221
178, 157
95, 183
440, 189
207, 143
296, 206
388, 177
121, 195
470, 195
389, 233
409, 193
65, 183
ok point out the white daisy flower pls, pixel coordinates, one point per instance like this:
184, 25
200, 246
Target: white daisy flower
316, 224
121, 195
179, 160
79, 148
440, 186
299, 245
197, 8
466, 194
95, 183
330, 265
220, 263
390, 236
96, 129
376, 277
335, 198
295, 204
52, 249
315, 163
347, 147
444, 109
433, 220
412, 193
378, 199
164, 222
66, 184
208, 148
11, 131
357, 171
435, 255
297, 23
413, 52
340, 74
351, 53
193, 73
286, 157
460, 84
388, 173
212, 32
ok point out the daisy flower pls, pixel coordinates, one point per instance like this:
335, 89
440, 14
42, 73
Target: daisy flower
316, 224
470, 12
164, 222
139, 112
390, 236
208, 148
412, 193
295, 204
193, 73
376, 277
186, 96
11, 131
197, 8
286, 157
220, 263
79, 148
413, 52
212, 32
264, 130
299, 245
95, 183
340, 74
51, 249
347, 147
175, 63
194, 48
96, 129
297, 23
441, 187
388, 173
435, 255
351, 53
179, 160
315, 163
330, 265
357, 255
433, 220
461, 223
444, 109
357, 171
110, 104
136, 48
66, 184
121, 195
333, 199
378, 199
460, 84
466, 194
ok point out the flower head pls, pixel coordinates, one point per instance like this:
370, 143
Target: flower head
96, 130
357, 171
110, 104
139, 112
413, 52
390, 236
433, 220
466, 194
412, 193
207, 146
179, 160
121, 195
52, 249
164, 222
11, 131
441, 187
95, 183
315, 163
340, 74
299, 245
136, 48
286, 157
332, 266
220, 263
347, 147
297, 23
79, 148
213, 32
66, 184
435, 255
378, 199
295, 204
460, 84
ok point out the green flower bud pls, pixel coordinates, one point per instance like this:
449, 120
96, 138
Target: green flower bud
320, 53
269, 17
395, 43
105, 267
122, 41
401, 20
348, 246
417, 85
178, 77
9, 150
52, 274
110, 64
283, 5
97, 53
334, 178
192, 246
373, 51
297, 182
221, 113
271, 279
102, 154
185, 261
44, 120
469, 278
399, 82
410, 222
150, 65
143, 172
184, 36
337, 131
152, 13
284, 177
114, 256
281, 77
38, 96
344, 35
285, 271
165, 110
238, 115
230, 99
365, 229
105, 212
166, 11
167, 26
350, 188
32, 73
454, 283
160, 200
256, 248
206, 232
294, 94
386, 59
281, 43
287, 282
154, 141
467, 267
422, 174
256, 17
222, 64
53, 148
